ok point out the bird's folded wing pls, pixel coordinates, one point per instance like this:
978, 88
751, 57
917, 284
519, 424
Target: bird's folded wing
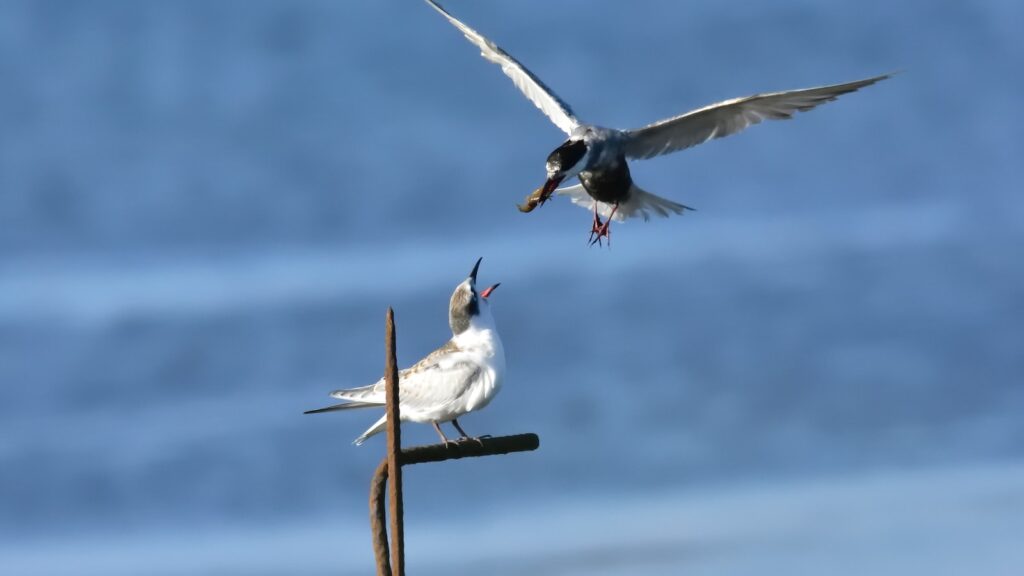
372, 394
729, 117
440, 376
438, 385
531, 86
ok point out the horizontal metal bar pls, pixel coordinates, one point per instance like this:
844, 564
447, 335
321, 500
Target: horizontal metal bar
469, 448
433, 453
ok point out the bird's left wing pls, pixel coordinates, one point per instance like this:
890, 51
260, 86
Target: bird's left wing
531, 86
437, 384
438, 378
729, 117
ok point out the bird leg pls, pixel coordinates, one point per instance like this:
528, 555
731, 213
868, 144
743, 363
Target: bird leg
443, 437
595, 227
455, 422
600, 230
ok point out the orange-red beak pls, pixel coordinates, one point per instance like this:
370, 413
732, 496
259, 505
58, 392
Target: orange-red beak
487, 292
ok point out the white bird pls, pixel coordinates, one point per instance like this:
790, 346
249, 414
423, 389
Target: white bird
598, 155
462, 376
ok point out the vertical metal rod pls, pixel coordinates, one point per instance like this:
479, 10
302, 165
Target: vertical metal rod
394, 431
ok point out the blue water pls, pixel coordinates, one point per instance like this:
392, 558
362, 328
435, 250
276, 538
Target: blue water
206, 208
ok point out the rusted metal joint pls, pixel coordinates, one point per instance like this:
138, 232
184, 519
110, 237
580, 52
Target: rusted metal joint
432, 453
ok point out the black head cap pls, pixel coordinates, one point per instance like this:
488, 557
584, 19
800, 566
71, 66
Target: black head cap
567, 155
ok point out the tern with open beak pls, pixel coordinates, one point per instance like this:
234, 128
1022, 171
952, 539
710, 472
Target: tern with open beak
462, 376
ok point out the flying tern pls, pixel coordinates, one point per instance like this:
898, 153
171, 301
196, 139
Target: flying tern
598, 156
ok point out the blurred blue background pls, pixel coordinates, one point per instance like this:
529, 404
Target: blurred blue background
206, 207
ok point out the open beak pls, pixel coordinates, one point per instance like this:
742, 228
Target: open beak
489, 289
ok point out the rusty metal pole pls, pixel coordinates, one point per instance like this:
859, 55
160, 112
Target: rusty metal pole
379, 519
431, 453
391, 465
394, 431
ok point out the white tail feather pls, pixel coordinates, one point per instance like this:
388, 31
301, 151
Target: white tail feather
640, 203
377, 427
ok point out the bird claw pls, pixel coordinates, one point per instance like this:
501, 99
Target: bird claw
478, 439
600, 230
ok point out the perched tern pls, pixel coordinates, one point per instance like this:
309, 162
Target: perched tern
462, 376
597, 156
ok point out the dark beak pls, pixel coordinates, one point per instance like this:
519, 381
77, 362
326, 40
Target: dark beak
472, 275
549, 187
490, 289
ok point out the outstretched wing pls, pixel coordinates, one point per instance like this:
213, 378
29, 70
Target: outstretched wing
531, 86
729, 117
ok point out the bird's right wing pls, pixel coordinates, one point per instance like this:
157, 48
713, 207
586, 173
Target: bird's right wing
729, 117
531, 86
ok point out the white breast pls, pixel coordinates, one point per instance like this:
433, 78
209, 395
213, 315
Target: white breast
481, 346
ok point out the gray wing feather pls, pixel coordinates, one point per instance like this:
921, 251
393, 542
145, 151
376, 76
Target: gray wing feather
729, 117
531, 86
372, 394
437, 378
437, 386
345, 406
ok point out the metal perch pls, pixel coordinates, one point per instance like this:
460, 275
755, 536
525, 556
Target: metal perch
393, 564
